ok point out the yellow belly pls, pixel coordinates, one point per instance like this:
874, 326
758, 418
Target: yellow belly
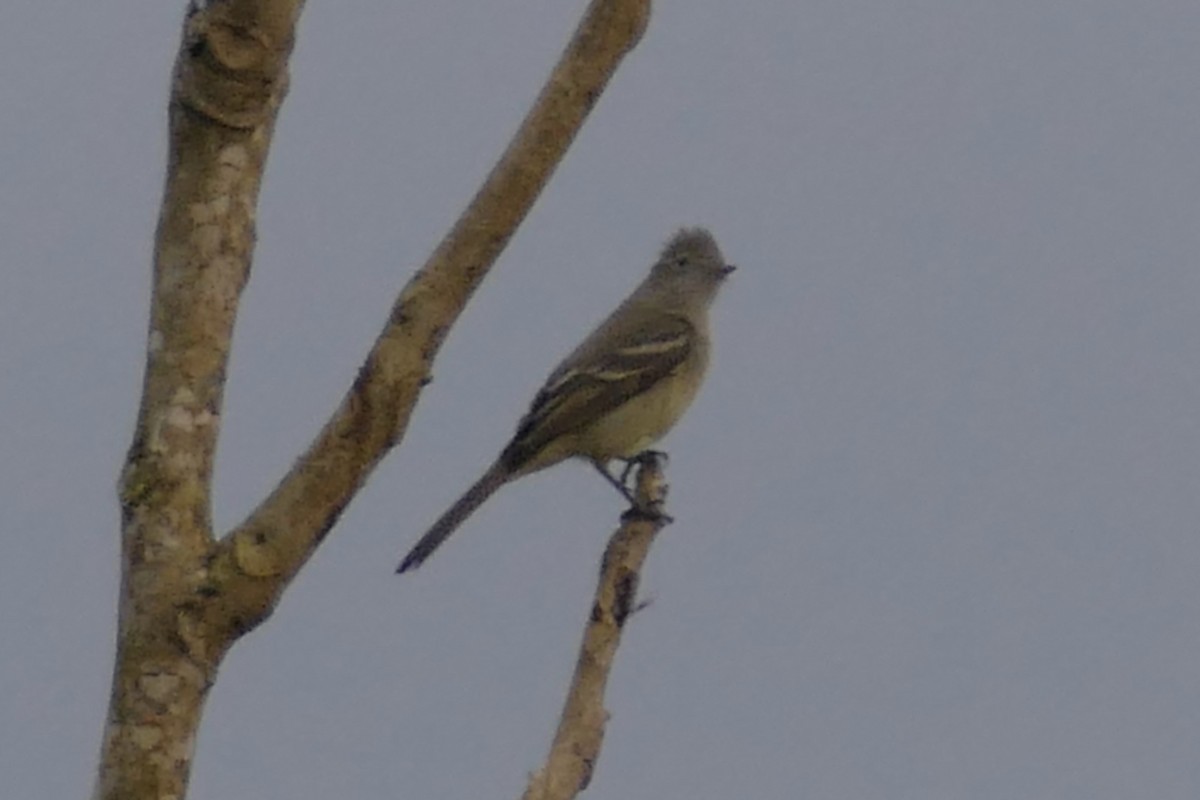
633, 427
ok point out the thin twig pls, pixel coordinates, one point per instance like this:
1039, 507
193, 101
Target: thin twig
576, 748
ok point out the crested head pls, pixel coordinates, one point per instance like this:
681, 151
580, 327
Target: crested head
691, 259
695, 245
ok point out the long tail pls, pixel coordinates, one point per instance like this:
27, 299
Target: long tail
496, 476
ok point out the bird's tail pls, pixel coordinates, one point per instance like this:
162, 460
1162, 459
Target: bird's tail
496, 476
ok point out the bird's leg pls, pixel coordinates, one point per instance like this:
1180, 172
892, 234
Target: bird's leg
622, 484
619, 485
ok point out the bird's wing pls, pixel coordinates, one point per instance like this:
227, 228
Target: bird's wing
595, 381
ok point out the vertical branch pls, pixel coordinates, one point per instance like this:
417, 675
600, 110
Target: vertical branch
576, 748
229, 81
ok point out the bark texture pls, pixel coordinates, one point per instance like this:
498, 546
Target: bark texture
576, 748
186, 594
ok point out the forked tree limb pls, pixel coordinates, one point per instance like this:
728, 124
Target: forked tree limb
186, 595
256, 562
576, 747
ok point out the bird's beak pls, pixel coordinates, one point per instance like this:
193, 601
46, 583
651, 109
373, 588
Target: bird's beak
726, 270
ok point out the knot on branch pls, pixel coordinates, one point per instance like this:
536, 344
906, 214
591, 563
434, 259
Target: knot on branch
232, 67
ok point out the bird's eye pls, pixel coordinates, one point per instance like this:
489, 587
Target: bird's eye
681, 261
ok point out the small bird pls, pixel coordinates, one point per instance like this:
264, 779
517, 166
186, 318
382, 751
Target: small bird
620, 390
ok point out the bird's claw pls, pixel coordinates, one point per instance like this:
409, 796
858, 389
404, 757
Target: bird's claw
640, 459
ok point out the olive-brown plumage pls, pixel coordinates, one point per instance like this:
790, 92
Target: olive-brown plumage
621, 389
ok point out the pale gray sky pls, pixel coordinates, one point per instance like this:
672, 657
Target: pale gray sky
936, 508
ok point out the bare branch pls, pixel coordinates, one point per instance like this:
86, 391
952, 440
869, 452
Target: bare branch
230, 79
576, 747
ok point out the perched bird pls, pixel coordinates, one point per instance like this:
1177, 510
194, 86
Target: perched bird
621, 389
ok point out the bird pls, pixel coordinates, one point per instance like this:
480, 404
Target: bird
625, 385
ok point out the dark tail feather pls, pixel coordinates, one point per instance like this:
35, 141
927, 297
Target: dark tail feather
493, 479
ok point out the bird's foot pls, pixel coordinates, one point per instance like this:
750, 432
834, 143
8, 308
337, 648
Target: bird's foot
644, 457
